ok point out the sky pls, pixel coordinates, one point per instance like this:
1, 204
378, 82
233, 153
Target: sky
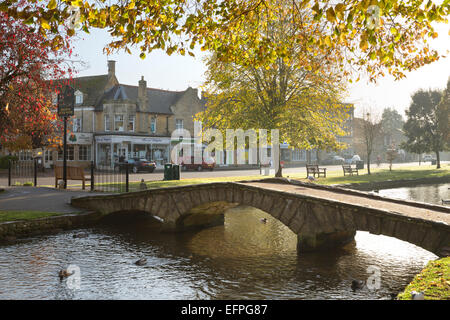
177, 72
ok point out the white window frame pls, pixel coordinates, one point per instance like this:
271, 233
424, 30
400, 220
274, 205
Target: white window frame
107, 123
177, 122
77, 125
118, 128
131, 120
78, 97
153, 125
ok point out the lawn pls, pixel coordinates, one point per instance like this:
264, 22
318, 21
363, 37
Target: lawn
433, 281
333, 177
25, 215
380, 175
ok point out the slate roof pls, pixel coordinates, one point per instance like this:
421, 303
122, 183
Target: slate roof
92, 87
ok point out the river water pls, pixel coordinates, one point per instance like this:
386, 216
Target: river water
243, 259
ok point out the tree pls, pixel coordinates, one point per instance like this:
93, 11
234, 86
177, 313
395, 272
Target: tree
26, 69
425, 122
444, 116
380, 36
371, 130
391, 125
298, 94
391, 154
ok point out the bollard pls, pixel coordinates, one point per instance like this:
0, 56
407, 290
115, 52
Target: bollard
92, 176
35, 172
126, 177
9, 173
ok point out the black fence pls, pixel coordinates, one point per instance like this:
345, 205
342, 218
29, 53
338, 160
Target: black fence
108, 179
23, 172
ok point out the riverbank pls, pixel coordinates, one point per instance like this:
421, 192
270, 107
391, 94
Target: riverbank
433, 281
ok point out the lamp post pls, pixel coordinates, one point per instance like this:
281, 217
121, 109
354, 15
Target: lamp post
66, 104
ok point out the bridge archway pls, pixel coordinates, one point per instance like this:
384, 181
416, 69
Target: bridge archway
319, 223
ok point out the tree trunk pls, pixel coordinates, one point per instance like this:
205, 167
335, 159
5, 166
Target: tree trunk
438, 160
279, 173
368, 163
420, 158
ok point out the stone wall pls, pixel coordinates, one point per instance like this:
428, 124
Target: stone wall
15, 229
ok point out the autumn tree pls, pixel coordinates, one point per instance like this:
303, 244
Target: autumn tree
298, 93
380, 36
426, 118
27, 67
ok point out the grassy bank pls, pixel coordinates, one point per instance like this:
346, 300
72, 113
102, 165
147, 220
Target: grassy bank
25, 215
433, 281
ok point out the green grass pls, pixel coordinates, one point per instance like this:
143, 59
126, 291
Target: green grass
25, 215
433, 281
333, 177
380, 175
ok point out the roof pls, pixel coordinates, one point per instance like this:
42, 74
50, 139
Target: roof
95, 94
92, 87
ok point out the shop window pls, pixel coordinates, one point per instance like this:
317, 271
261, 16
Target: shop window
298, 155
84, 153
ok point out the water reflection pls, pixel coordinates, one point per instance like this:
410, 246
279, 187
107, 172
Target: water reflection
422, 193
244, 259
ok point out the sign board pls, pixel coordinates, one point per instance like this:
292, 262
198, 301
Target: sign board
66, 101
79, 138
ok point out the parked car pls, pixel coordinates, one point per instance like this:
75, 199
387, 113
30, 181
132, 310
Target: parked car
353, 159
427, 157
209, 164
136, 165
338, 159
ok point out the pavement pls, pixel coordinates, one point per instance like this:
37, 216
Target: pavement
39, 199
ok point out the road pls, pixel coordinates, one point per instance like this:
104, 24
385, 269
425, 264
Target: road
48, 179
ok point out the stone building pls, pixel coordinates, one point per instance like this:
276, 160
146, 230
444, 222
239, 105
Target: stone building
114, 120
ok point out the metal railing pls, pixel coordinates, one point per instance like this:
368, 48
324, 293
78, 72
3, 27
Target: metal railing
22, 172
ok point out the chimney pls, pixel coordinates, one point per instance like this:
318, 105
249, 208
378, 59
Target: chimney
142, 93
111, 68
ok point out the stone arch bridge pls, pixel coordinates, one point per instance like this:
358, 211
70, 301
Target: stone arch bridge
323, 217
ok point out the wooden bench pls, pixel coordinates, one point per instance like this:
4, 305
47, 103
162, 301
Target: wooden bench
314, 169
73, 173
349, 170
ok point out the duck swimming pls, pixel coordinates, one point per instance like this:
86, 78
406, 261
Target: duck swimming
141, 262
263, 220
64, 274
357, 284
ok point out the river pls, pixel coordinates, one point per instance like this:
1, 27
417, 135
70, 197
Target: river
243, 259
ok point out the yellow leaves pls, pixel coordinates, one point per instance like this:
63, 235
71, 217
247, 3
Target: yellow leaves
44, 24
363, 44
331, 16
77, 3
52, 4
131, 5
339, 11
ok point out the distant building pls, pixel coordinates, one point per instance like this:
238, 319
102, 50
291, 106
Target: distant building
115, 120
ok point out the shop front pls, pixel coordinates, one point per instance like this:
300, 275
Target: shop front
111, 149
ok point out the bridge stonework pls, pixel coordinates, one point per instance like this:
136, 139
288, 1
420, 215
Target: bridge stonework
319, 223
